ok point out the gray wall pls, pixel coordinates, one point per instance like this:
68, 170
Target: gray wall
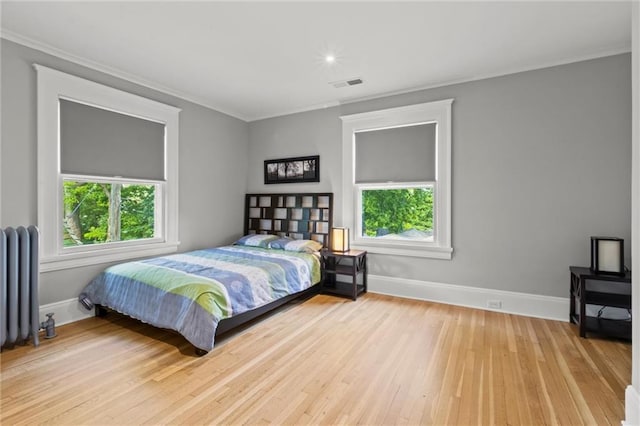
541, 161
314, 132
212, 169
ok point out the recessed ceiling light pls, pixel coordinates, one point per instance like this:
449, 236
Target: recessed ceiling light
330, 59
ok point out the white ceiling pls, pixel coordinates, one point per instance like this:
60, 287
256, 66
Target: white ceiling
255, 60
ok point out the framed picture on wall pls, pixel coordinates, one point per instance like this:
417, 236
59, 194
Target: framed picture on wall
292, 170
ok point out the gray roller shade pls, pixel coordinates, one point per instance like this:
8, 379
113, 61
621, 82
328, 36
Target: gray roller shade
400, 154
98, 142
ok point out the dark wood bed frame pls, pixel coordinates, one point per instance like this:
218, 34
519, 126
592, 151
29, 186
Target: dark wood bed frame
297, 215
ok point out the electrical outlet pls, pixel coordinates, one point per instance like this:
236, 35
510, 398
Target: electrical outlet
494, 304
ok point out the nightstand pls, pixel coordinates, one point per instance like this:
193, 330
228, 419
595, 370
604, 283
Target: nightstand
351, 265
614, 291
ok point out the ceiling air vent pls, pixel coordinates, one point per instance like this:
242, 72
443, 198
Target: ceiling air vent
345, 83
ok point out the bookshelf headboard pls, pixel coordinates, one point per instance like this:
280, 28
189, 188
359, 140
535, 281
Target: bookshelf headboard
307, 216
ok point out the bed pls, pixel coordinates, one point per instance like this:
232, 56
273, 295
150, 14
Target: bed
204, 293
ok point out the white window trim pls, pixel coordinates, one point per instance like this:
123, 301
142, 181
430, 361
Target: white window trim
53, 85
439, 112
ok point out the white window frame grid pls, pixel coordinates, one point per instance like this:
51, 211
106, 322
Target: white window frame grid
53, 85
438, 112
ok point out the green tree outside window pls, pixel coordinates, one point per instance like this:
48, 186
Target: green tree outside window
397, 211
97, 213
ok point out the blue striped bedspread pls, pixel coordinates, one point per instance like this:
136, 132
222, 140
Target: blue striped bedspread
191, 292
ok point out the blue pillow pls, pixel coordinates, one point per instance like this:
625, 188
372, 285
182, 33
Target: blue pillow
280, 243
256, 240
301, 246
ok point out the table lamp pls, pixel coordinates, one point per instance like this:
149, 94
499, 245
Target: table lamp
340, 239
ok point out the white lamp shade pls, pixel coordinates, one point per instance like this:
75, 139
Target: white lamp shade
340, 239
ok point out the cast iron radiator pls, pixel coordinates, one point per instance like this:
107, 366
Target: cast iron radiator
19, 273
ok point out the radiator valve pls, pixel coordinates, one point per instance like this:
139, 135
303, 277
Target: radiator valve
49, 327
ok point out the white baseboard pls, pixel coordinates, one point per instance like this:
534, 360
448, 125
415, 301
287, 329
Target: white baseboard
557, 308
631, 407
531, 305
65, 311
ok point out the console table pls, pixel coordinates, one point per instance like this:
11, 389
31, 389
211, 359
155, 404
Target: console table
581, 296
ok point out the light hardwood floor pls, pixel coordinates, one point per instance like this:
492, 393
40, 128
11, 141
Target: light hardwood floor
380, 360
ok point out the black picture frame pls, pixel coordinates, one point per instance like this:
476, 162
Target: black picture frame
615, 253
292, 170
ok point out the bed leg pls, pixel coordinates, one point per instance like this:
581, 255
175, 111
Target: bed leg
201, 352
100, 311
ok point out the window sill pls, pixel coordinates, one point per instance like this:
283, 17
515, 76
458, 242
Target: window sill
444, 253
96, 257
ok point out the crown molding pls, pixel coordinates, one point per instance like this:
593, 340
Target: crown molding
114, 72
284, 113
43, 47
618, 50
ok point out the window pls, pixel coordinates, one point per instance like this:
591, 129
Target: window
107, 164
397, 168
100, 211
396, 212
